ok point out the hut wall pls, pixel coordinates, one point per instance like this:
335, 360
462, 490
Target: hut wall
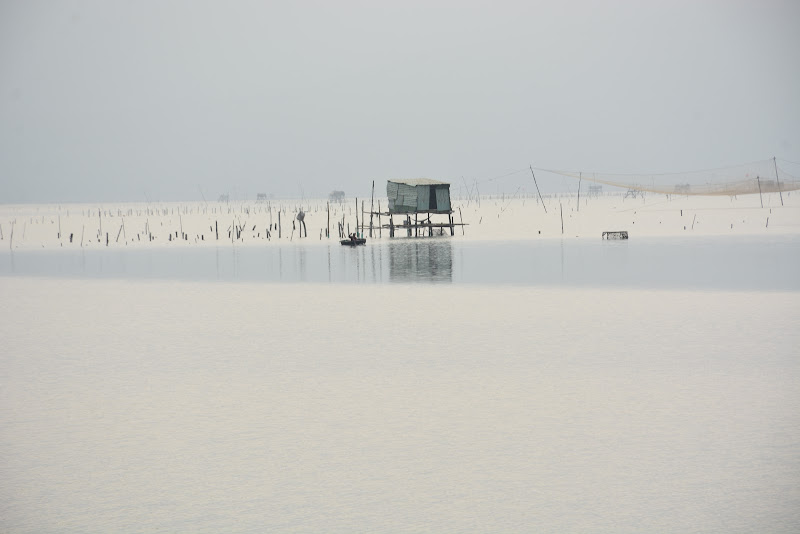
443, 198
402, 197
423, 197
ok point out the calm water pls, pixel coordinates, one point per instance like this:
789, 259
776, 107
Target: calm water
709, 263
150, 406
565, 396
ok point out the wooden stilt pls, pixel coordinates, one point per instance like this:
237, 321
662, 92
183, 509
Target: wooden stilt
371, 207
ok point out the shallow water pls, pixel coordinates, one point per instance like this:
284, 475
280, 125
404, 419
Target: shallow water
750, 263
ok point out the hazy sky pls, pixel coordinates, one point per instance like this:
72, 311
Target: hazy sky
114, 100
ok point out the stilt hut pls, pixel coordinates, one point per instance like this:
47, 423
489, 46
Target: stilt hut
421, 198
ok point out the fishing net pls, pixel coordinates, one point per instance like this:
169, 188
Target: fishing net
766, 176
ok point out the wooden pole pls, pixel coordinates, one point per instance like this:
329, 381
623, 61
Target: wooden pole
759, 191
560, 209
580, 177
462, 220
371, 207
328, 231
279, 224
777, 179
537, 188
356, 217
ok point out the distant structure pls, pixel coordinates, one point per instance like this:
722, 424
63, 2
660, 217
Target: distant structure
633, 193
683, 189
595, 190
262, 197
423, 198
336, 196
224, 198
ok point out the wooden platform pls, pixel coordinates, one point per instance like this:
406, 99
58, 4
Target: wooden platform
421, 225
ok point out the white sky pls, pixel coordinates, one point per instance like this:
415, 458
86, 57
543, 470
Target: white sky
114, 100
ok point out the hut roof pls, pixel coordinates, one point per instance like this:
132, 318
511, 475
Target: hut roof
419, 181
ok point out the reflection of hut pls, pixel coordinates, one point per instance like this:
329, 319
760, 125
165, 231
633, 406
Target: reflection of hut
422, 198
421, 261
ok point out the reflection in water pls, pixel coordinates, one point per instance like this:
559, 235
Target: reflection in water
719, 263
421, 261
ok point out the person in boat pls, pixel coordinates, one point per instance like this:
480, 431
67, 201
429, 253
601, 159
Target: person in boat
353, 238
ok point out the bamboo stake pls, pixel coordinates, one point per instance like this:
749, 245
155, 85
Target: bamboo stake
777, 178
759, 191
537, 189
371, 208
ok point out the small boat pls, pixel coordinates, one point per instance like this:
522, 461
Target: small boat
354, 242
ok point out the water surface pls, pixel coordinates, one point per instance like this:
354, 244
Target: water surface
749, 263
